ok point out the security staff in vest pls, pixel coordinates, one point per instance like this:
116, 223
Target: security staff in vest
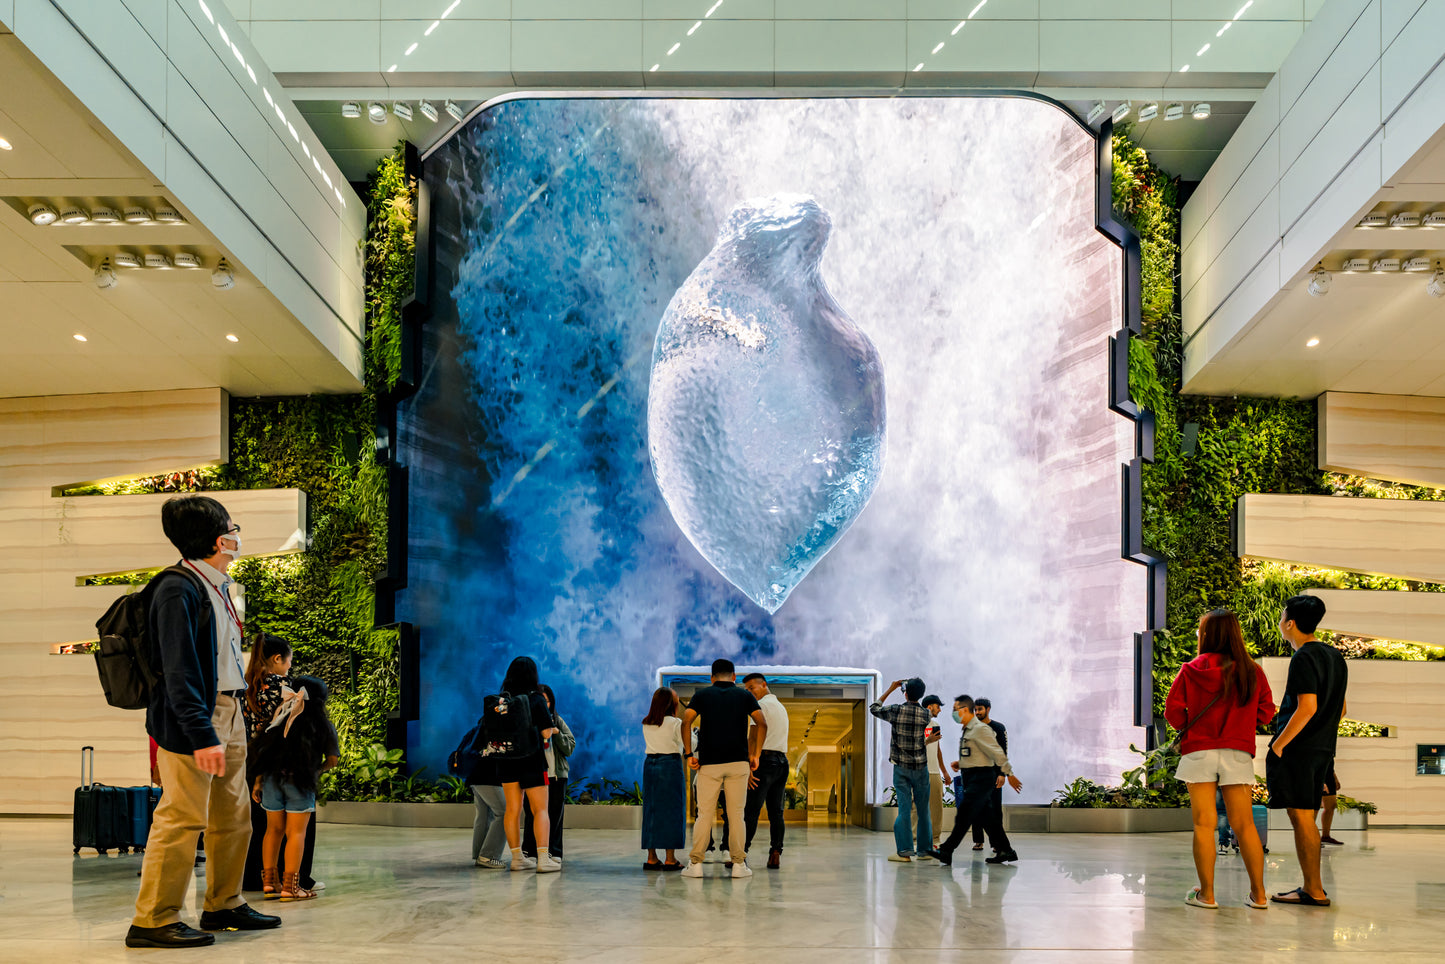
978, 754
195, 718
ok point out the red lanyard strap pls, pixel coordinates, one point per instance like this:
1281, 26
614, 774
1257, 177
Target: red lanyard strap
230, 609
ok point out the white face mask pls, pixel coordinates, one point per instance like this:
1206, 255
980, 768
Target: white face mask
233, 553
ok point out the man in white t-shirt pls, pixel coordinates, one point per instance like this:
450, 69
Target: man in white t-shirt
770, 779
936, 768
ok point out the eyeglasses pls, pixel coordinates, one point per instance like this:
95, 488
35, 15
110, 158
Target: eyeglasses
233, 530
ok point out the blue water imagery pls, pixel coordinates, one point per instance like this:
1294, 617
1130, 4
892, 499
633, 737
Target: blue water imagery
559, 508
766, 410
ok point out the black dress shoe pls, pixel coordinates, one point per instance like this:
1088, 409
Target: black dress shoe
944, 857
1008, 856
179, 934
242, 918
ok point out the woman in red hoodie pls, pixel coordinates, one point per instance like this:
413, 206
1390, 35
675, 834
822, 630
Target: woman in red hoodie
1216, 703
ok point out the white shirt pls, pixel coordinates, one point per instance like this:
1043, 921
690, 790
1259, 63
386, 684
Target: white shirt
777, 719
666, 738
229, 672
935, 763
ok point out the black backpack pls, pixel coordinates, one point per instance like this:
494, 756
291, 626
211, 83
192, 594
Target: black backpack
510, 734
468, 754
126, 658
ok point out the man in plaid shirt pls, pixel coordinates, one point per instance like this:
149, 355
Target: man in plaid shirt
908, 752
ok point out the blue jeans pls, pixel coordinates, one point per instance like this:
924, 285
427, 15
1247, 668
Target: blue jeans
912, 789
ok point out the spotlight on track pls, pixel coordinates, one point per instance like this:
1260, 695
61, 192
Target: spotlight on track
1199, 111
1173, 112
455, 111
1148, 112
1095, 112
1319, 285
351, 110
43, 214
401, 109
428, 110
1121, 112
376, 113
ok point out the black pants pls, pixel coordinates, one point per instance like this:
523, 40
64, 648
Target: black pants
995, 812
251, 880
772, 776
556, 801
976, 805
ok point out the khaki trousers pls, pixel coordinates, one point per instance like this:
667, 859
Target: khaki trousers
935, 805
191, 801
730, 780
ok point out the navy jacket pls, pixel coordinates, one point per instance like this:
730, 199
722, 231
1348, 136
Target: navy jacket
183, 640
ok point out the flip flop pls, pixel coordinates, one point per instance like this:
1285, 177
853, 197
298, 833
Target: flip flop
1194, 900
1298, 896
650, 865
672, 865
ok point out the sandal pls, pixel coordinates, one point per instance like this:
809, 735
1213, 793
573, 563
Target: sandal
291, 889
978, 846
652, 865
672, 865
1256, 905
1194, 900
270, 883
1298, 896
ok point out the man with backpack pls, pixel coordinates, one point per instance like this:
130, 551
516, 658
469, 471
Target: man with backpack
193, 633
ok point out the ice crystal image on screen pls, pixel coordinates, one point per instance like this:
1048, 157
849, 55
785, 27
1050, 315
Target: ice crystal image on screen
765, 410
986, 559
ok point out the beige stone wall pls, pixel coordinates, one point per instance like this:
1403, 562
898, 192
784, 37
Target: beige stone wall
1406, 697
52, 705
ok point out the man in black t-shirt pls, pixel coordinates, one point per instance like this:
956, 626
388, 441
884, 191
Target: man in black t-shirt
1302, 754
727, 753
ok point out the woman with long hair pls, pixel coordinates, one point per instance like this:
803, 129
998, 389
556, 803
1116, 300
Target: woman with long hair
266, 674
1217, 701
664, 784
527, 778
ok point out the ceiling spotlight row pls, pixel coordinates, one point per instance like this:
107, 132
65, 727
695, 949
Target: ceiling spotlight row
1148, 112
1403, 219
222, 276
376, 111
44, 213
1320, 277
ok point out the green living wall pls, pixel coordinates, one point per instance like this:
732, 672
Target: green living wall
1244, 445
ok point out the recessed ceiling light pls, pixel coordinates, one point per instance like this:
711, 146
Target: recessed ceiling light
455, 111
1148, 112
1374, 221
1173, 112
376, 113
184, 259
351, 109
428, 110
42, 214
167, 215
124, 259
70, 214
157, 261
4, 145
1405, 219
1313, 342
401, 109
1121, 112
137, 216
1200, 111
105, 216
79, 337
232, 338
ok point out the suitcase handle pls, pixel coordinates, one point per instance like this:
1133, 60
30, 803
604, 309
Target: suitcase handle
84, 782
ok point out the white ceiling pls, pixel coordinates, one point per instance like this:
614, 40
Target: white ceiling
155, 329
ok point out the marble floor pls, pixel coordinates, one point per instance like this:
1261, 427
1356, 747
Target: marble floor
398, 894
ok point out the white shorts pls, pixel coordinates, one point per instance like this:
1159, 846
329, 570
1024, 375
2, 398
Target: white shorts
1224, 767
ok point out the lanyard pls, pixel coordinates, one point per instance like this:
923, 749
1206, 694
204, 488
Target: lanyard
230, 609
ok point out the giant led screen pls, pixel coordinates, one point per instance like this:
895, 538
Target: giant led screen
813, 383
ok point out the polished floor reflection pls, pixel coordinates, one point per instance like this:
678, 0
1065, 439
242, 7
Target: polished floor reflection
398, 894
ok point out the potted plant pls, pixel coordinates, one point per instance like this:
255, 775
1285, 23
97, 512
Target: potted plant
604, 804
1147, 800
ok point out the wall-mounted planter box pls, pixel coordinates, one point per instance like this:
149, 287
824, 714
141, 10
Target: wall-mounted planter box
1119, 820
1354, 820
460, 815
882, 819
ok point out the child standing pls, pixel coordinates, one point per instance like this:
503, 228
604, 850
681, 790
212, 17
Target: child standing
286, 757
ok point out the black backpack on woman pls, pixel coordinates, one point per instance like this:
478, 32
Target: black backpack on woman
509, 731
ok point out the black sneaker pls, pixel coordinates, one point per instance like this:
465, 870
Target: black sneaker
242, 918
944, 857
1008, 856
179, 934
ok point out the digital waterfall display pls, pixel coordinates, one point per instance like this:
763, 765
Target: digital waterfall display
809, 383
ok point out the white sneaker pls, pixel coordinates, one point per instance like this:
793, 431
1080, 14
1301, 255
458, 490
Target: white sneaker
489, 863
523, 863
741, 869
692, 870
319, 886
547, 865
900, 859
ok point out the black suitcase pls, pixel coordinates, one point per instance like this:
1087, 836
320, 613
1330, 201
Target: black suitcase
102, 813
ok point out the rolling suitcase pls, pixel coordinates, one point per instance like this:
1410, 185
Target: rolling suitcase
102, 813
142, 805
1261, 824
